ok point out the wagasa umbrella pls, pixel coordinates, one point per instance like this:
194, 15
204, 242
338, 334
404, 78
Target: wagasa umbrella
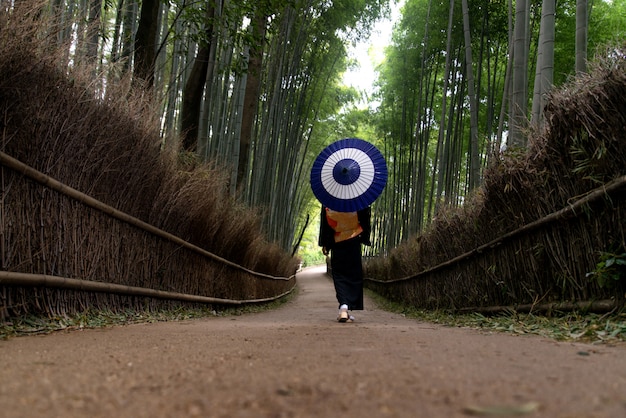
348, 175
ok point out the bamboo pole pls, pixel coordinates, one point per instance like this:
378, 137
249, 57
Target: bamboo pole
47, 281
597, 306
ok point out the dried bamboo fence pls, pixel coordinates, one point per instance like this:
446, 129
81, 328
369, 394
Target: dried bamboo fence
488, 278
65, 252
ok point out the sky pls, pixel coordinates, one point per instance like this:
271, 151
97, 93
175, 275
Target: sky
370, 52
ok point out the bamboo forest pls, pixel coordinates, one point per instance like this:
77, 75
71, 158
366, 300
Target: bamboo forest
491, 115
256, 86
311, 208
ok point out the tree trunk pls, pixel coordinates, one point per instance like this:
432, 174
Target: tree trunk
520, 68
251, 98
194, 87
545, 61
129, 21
177, 61
93, 30
441, 154
506, 96
581, 36
474, 169
145, 42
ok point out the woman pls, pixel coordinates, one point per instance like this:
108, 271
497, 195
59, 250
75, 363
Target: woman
341, 235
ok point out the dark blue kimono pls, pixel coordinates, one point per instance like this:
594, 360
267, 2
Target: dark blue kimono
345, 259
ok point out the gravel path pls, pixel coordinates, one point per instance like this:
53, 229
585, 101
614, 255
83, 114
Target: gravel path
297, 361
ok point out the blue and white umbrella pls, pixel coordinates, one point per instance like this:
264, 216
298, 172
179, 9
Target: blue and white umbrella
348, 175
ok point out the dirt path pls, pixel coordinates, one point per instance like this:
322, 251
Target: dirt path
297, 361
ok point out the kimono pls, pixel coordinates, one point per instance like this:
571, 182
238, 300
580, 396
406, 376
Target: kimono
343, 233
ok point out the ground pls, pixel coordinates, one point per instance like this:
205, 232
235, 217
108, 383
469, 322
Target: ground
297, 361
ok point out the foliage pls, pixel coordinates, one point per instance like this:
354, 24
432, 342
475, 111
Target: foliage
309, 251
427, 145
301, 92
610, 270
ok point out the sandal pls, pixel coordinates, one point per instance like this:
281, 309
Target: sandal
343, 316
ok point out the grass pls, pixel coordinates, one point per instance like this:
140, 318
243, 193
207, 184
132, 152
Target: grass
34, 325
575, 326
578, 327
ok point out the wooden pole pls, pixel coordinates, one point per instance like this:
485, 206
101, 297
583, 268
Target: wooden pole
43, 280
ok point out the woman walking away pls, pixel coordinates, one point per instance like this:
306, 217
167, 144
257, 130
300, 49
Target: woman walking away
341, 235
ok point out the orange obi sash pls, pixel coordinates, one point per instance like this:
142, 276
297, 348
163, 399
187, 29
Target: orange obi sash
345, 224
